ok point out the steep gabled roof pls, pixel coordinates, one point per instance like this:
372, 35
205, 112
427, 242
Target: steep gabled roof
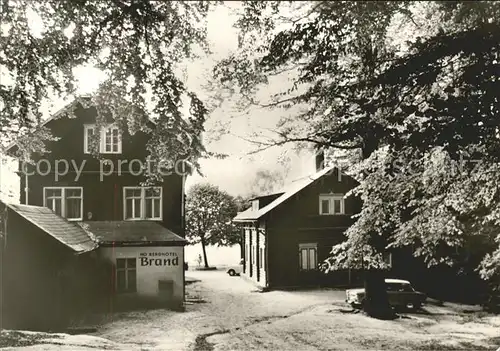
68, 233
294, 188
53, 117
71, 105
61, 112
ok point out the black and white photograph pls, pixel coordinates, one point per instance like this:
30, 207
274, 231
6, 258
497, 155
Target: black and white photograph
249, 175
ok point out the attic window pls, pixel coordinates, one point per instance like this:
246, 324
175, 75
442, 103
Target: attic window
110, 141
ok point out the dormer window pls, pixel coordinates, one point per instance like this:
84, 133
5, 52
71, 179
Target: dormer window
331, 204
110, 139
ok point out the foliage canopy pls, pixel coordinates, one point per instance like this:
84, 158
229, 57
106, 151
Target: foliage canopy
137, 44
209, 212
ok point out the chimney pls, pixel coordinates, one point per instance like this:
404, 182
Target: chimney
320, 159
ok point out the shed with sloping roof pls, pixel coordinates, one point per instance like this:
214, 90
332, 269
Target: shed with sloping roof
287, 235
40, 258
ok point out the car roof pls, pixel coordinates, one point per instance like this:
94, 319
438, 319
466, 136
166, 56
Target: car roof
397, 281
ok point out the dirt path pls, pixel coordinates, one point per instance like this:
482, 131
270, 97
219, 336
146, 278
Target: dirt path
217, 305
228, 313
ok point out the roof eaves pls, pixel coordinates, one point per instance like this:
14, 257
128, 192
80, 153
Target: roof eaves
285, 196
107, 232
245, 219
108, 243
267, 195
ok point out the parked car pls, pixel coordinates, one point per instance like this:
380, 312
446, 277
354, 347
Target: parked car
236, 270
400, 294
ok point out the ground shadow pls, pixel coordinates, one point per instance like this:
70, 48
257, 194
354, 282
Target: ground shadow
205, 268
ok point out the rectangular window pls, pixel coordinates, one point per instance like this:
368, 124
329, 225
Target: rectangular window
67, 202
331, 204
110, 141
325, 206
142, 203
153, 202
126, 275
308, 258
54, 199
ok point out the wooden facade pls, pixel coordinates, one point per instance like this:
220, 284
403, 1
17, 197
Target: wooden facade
102, 188
44, 282
110, 188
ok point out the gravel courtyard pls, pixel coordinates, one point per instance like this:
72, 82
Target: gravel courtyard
228, 313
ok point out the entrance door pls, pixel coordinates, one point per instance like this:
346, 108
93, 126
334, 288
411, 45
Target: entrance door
308, 264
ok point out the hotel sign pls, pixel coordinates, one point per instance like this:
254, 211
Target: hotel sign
158, 259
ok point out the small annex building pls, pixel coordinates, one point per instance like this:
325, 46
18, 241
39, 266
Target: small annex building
148, 261
54, 270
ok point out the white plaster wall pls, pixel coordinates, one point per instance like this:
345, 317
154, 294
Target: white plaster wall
248, 252
149, 275
255, 266
251, 234
262, 271
255, 252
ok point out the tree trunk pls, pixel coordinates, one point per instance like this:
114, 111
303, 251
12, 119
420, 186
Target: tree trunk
204, 252
376, 302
